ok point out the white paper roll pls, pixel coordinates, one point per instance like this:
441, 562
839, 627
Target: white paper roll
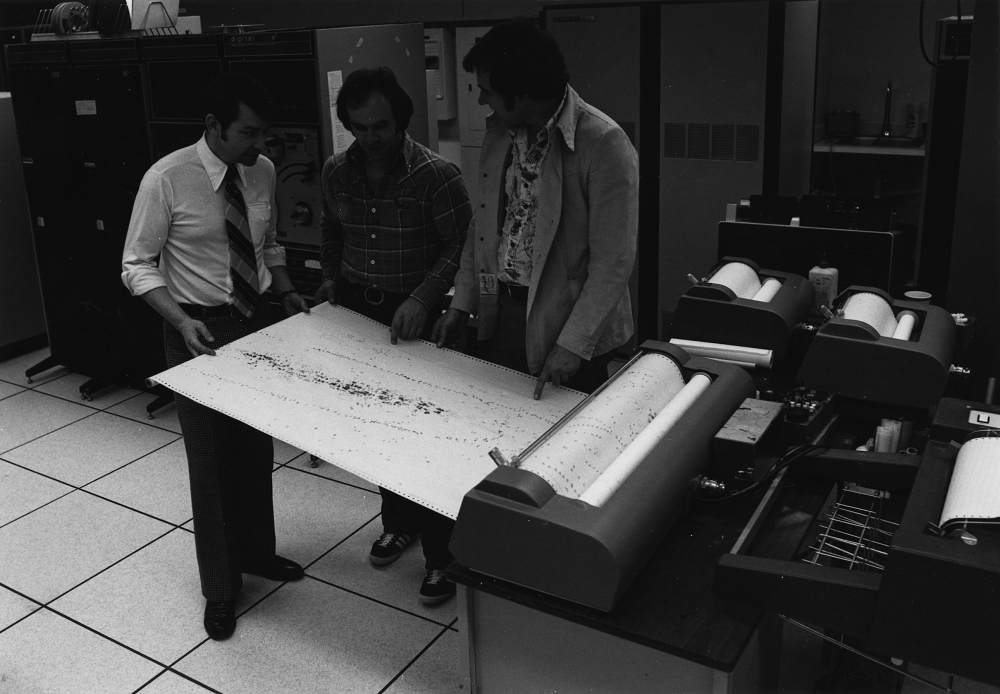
577, 453
739, 277
904, 326
873, 310
625, 464
974, 490
762, 358
767, 290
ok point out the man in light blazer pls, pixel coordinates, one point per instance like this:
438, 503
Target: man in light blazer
549, 255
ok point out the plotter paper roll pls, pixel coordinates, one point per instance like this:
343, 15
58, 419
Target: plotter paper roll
904, 325
612, 478
974, 491
577, 453
762, 358
739, 277
873, 310
767, 290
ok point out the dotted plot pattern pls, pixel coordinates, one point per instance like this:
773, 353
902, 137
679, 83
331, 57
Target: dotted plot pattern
576, 455
409, 417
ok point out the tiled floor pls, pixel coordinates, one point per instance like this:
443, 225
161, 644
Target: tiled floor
99, 586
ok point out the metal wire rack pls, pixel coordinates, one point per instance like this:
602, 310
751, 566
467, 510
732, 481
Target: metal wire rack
854, 534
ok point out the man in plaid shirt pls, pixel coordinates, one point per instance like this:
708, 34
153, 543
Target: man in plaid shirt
394, 221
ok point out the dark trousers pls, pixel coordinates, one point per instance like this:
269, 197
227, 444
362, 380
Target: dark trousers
399, 514
229, 464
507, 348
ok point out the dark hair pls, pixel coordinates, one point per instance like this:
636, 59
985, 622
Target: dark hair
224, 94
361, 83
522, 60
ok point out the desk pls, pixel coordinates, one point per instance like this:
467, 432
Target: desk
668, 627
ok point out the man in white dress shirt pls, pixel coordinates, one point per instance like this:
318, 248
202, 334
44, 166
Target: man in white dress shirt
201, 250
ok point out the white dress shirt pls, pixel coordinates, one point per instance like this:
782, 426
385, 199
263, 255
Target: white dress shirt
177, 235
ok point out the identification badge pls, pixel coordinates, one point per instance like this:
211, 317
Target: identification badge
487, 283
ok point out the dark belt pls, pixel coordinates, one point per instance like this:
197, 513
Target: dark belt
373, 296
223, 311
517, 292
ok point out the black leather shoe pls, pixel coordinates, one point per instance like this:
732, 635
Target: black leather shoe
220, 619
276, 569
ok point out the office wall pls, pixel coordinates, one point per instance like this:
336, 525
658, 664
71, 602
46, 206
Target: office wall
865, 43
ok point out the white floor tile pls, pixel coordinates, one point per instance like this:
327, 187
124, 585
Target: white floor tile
90, 448
60, 545
135, 408
157, 484
13, 607
13, 370
313, 514
397, 584
8, 389
311, 637
330, 471
283, 452
170, 683
68, 387
47, 653
152, 600
436, 670
22, 491
28, 415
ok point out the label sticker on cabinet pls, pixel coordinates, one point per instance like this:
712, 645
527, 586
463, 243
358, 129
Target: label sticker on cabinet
984, 419
86, 107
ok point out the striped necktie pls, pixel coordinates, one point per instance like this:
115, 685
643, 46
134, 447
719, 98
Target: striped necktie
242, 259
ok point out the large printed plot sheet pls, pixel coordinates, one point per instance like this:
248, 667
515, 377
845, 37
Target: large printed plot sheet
409, 417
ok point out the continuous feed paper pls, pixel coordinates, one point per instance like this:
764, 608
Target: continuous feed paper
576, 455
409, 417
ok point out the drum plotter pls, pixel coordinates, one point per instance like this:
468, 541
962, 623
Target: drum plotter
577, 513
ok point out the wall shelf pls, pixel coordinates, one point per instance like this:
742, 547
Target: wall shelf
893, 146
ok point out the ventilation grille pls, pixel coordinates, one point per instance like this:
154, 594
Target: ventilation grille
723, 142
747, 142
674, 140
716, 141
698, 140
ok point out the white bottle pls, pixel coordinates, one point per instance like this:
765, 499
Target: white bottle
824, 281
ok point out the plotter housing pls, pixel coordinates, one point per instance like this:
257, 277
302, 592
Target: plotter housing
850, 358
710, 312
515, 527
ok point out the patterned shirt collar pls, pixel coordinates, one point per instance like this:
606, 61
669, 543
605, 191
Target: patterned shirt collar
564, 119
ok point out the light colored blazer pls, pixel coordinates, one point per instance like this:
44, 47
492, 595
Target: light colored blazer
585, 236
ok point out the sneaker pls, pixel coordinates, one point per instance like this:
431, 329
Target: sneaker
436, 588
387, 548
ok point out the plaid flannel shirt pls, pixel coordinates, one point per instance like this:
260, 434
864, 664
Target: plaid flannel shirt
405, 238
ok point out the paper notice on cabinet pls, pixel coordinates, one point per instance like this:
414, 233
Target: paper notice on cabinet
342, 137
